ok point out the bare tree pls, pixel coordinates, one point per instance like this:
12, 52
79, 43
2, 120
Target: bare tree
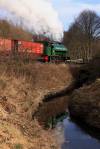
83, 34
4, 29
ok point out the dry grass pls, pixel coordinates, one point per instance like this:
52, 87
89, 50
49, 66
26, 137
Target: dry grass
24, 85
22, 88
15, 134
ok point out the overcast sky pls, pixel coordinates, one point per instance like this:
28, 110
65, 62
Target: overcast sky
69, 9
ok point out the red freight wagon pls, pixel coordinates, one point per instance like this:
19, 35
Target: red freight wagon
30, 47
23, 47
5, 45
37, 48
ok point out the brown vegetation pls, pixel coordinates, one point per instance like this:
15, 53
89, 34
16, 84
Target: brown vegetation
22, 88
8, 30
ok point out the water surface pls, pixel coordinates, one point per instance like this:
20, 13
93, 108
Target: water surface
75, 137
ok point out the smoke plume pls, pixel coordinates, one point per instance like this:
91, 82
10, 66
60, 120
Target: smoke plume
37, 16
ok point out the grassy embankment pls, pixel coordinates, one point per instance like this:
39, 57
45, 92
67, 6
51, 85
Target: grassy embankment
22, 88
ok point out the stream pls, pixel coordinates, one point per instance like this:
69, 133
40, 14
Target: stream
69, 135
72, 136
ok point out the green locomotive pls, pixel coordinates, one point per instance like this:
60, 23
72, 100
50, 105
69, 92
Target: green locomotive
54, 52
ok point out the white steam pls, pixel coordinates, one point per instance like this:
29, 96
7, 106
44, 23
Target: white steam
38, 16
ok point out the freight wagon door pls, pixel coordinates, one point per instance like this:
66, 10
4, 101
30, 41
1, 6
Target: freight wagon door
14, 46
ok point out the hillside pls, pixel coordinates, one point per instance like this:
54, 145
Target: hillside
8, 30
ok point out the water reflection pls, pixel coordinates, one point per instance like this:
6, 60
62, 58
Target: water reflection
76, 138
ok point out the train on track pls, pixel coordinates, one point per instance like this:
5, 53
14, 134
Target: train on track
46, 51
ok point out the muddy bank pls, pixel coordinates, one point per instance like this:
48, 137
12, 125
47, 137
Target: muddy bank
84, 104
66, 91
49, 110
